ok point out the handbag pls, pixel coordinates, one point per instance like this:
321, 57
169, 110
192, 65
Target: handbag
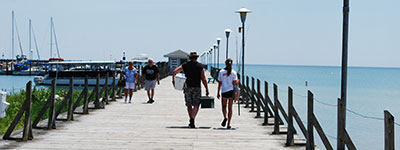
122, 82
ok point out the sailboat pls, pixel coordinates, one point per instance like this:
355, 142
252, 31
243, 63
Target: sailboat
20, 59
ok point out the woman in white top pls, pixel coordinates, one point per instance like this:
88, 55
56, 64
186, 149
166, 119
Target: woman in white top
227, 79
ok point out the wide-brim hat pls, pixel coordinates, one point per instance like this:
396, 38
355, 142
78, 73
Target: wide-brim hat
193, 54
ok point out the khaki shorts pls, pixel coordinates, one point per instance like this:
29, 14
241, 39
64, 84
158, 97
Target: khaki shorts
192, 96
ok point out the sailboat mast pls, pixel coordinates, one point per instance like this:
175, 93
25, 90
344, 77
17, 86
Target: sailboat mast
36, 45
51, 37
55, 40
12, 35
30, 38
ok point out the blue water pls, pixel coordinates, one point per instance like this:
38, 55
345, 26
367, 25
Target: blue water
370, 92
13, 84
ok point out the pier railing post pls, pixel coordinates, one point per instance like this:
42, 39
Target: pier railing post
120, 87
310, 128
290, 132
27, 132
265, 103
25, 108
70, 116
258, 100
52, 118
246, 91
113, 88
251, 95
86, 93
276, 113
105, 98
389, 131
97, 100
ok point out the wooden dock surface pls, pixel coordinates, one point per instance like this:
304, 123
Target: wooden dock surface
161, 125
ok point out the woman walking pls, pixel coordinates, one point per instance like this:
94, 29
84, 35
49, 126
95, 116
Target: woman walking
130, 75
227, 79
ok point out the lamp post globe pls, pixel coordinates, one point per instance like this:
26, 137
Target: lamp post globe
227, 33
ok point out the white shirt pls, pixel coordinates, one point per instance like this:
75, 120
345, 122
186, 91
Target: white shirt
227, 81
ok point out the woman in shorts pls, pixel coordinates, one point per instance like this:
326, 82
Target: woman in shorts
227, 79
130, 75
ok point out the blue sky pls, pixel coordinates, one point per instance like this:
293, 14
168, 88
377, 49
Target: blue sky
279, 32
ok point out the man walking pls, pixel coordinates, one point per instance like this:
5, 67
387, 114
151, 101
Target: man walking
194, 75
150, 76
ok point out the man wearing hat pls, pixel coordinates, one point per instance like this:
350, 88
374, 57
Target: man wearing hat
194, 75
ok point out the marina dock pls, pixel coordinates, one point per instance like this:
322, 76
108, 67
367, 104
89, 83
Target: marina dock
161, 125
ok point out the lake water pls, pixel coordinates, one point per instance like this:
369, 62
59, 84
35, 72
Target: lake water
370, 92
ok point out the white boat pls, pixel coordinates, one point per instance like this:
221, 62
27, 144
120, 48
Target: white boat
63, 71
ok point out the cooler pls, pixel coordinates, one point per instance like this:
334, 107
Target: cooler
179, 81
207, 102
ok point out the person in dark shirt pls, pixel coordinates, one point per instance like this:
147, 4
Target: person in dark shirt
150, 78
194, 75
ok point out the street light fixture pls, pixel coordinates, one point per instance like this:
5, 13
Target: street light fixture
227, 32
218, 41
243, 12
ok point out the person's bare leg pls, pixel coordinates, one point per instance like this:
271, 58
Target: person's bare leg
126, 94
195, 110
130, 94
148, 94
230, 112
223, 102
189, 110
152, 93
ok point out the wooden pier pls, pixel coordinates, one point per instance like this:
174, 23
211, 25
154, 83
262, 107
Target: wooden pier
161, 125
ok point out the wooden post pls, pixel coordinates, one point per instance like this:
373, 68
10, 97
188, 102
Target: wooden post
97, 100
276, 117
310, 128
340, 123
251, 94
120, 87
27, 132
105, 98
113, 88
258, 100
52, 118
266, 103
289, 137
389, 131
25, 108
70, 116
86, 100
245, 88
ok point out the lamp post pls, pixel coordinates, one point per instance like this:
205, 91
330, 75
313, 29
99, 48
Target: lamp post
211, 58
227, 32
218, 41
215, 55
243, 12
343, 95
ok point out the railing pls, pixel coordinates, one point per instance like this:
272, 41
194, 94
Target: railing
258, 103
99, 95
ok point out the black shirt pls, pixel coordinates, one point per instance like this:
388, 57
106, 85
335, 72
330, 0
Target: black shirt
150, 72
193, 73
